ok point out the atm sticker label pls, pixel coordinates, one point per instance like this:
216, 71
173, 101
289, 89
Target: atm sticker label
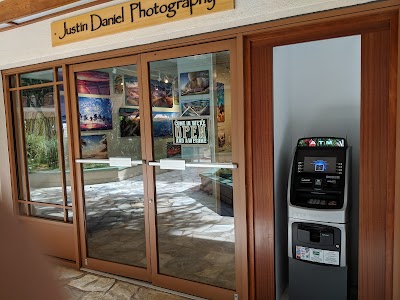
302, 253
317, 255
331, 257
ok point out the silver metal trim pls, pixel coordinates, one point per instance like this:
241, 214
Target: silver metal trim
312, 214
103, 161
201, 165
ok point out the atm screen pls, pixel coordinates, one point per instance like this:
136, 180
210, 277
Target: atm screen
320, 164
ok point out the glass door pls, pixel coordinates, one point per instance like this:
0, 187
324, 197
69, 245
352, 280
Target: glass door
194, 171
109, 158
158, 145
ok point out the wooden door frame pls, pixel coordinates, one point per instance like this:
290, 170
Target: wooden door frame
259, 151
151, 274
97, 264
183, 285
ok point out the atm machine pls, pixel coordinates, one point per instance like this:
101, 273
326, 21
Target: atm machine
318, 216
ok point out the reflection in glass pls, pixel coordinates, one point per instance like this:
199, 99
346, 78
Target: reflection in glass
60, 75
64, 130
108, 102
47, 212
115, 215
195, 217
195, 226
39, 77
70, 216
12, 81
19, 154
42, 145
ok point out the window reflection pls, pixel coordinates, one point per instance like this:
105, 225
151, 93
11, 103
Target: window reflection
191, 115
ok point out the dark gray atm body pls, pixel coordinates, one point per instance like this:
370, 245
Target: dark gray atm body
318, 210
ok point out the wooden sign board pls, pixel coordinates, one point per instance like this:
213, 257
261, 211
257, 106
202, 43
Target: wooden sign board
132, 15
191, 131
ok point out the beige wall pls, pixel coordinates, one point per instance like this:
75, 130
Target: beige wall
32, 44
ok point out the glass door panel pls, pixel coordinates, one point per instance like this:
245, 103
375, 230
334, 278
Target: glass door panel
191, 121
111, 158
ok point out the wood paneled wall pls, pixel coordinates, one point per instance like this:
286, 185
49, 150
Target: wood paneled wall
377, 148
263, 171
377, 161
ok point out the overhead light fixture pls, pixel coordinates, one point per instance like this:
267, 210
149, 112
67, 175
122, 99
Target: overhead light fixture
159, 77
166, 79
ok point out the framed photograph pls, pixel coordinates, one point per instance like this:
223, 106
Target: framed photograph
195, 107
162, 123
195, 83
129, 122
173, 150
220, 102
93, 83
94, 146
95, 113
161, 94
131, 90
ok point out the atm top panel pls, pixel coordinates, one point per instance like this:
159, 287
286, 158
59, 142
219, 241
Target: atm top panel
328, 142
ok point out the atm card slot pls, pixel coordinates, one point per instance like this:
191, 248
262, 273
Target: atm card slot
321, 191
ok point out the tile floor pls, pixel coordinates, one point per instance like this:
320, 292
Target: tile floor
81, 285
194, 241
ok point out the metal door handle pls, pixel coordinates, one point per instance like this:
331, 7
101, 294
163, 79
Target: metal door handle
112, 161
175, 164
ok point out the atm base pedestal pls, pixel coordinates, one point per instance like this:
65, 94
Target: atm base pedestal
309, 281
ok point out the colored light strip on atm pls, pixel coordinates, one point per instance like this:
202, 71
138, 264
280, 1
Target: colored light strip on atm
321, 142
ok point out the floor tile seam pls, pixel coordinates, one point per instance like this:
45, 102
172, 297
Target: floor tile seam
143, 284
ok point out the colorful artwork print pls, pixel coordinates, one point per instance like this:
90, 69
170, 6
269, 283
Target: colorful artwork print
93, 82
195, 83
129, 122
162, 123
95, 113
131, 91
195, 108
220, 102
173, 150
161, 94
94, 146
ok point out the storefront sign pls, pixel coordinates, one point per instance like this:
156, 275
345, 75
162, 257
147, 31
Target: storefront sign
132, 15
190, 131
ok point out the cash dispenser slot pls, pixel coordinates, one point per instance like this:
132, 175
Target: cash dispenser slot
318, 235
316, 238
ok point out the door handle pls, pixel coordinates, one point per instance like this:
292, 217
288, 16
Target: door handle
112, 161
178, 164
